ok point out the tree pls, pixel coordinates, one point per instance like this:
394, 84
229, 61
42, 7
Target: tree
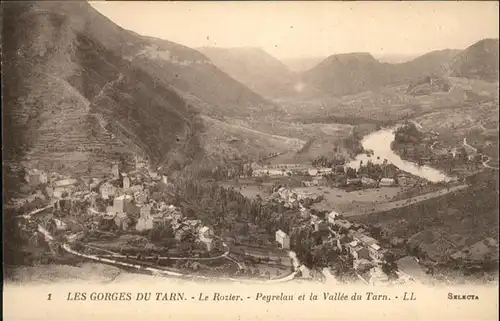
324, 255
375, 231
351, 172
167, 233
389, 265
463, 154
155, 235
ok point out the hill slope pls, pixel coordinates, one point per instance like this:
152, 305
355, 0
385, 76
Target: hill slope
357, 72
83, 92
73, 102
479, 61
347, 73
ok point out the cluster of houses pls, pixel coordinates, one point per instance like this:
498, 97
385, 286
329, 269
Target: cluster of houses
129, 204
351, 239
289, 170
293, 198
56, 185
133, 209
391, 175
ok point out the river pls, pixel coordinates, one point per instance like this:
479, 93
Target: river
380, 143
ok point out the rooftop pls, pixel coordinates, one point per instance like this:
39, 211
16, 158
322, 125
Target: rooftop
333, 214
65, 182
124, 197
204, 228
280, 233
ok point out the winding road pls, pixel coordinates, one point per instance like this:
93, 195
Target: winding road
485, 163
161, 272
121, 256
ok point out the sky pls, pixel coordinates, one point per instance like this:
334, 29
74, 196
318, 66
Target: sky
312, 29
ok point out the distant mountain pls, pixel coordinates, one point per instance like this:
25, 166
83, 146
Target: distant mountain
83, 92
254, 68
352, 73
199, 80
426, 64
479, 61
395, 58
302, 64
348, 73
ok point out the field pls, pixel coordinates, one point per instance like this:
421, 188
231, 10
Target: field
445, 224
248, 190
236, 140
350, 203
344, 201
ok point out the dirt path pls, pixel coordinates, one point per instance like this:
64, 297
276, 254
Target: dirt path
485, 163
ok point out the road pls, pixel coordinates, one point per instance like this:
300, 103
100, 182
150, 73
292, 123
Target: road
120, 256
160, 272
485, 162
406, 202
464, 142
30, 214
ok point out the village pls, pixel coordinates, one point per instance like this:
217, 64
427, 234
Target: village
120, 203
125, 217
117, 218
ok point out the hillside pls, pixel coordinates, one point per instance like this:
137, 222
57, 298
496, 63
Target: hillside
254, 68
73, 102
479, 61
198, 79
83, 92
427, 85
237, 141
347, 73
352, 73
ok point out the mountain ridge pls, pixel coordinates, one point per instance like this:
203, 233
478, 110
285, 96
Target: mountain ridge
255, 68
84, 92
478, 61
350, 73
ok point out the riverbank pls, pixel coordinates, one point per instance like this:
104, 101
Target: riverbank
379, 142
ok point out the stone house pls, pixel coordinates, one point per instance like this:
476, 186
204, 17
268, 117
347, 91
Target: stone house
332, 216
124, 204
36, 177
205, 232
122, 221
387, 182
358, 251
145, 221
283, 239
126, 181
115, 170
107, 190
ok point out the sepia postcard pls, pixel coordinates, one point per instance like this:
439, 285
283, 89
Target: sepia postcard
204, 160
